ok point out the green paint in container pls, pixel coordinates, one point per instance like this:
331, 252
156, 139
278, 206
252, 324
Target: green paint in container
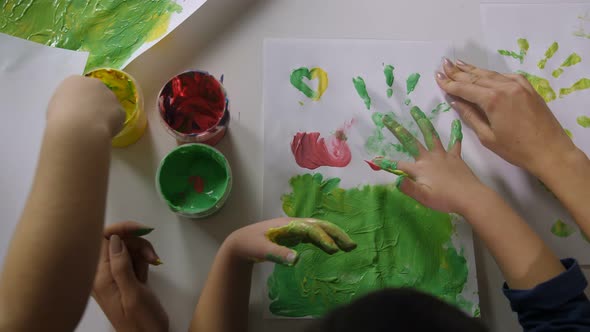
194, 180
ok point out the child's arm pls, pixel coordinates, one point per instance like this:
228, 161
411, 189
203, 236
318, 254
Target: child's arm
513, 121
223, 305
50, 265
545, 294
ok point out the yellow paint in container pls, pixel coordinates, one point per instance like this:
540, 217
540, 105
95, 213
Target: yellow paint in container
130, 96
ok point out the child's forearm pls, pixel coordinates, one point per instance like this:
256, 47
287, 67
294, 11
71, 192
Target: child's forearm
53, 254
568, 176
522, 256
223, 304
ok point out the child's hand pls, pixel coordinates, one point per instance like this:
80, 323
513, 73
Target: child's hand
120, 284
438, 179
79, 103
508, 116
267, 240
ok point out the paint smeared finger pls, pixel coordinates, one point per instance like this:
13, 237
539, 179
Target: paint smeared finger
384, 164
339, 236
456, 136
409, 142
298, 231
470, 92
408, 168
126, 229
430, 134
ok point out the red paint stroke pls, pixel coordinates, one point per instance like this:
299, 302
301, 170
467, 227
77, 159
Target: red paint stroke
197, 182
311, 151
373, 166
192, 102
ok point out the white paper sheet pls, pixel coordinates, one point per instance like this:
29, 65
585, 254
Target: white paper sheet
542, 25
188, 8
284, 116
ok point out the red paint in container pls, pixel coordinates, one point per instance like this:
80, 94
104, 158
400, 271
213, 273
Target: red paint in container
194, 108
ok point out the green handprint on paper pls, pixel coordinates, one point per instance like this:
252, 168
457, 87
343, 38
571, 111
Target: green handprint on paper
583, 30
543, 85
381, 143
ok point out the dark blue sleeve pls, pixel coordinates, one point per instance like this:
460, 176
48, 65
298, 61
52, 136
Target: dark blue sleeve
558, 304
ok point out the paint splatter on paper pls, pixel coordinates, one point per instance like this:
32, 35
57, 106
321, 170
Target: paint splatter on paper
111, 30
361, 89
389, 79
400, 244
583, 121
312, 151
297, 81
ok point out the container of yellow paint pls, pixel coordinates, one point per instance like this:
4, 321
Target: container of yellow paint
125, 87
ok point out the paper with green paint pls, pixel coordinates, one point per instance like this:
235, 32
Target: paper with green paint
114, 32
557, 64
382, 65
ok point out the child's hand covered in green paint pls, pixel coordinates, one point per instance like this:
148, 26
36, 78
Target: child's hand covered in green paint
507, 114
120, 286
269, 240
438, 179
81, 104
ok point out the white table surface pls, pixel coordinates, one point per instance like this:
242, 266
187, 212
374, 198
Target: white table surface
225, 37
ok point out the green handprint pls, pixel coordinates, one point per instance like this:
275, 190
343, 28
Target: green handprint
582, 29
543, 85
378, 143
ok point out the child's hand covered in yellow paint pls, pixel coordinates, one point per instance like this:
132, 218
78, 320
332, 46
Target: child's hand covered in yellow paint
269, 240
507, 114
81, 104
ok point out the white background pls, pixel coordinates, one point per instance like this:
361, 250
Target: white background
226, 37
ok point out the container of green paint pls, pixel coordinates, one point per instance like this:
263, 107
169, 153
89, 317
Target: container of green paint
194, 180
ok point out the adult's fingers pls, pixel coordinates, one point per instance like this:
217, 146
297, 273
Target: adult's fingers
430, 134
141, 269
410, 143
103, 277
470, 92
490, 74
456, 138
520, 79
456, 74
121, 265
339, 236
142, 249
127, 229
474, 119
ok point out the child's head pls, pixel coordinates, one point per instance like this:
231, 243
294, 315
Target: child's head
397, 310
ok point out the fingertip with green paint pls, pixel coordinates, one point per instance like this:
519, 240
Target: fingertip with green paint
403, 135
399, 181
456, 133
142, 231
430, 134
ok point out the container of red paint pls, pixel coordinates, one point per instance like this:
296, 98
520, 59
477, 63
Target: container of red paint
194, 180
194, 108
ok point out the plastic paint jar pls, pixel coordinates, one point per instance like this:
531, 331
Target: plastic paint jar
194, 180
194, 108
125, 87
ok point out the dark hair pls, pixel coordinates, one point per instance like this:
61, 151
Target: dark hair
397, 310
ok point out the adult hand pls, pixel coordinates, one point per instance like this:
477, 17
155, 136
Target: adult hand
81, 103
507, 114
120, 284
268, 240
438, 179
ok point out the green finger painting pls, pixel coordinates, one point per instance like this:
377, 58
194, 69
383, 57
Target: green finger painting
541, 85
361, 89
548, 55
572, 59
583, 121
456, 134
411, 84
299, 74
523, 45
582, 84
407, 140
583, 25
562, 229
400, 244
110, 30
389, 79
428, 132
